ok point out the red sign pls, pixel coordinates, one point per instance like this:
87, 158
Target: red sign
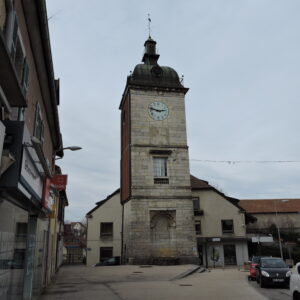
59, 182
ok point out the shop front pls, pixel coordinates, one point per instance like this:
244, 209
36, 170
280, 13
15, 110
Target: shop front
23, 217
223, 251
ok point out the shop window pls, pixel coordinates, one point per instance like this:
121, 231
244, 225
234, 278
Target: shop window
160, 170
198, 227
105, 253
39, 125
106, 230
227, 226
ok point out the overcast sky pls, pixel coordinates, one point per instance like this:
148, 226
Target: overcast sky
240, 59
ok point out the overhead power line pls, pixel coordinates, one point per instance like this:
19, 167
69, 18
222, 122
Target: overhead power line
245, 161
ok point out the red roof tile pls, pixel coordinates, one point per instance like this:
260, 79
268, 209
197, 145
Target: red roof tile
270, 205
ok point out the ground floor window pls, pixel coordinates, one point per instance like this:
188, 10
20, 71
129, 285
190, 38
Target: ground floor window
105, 253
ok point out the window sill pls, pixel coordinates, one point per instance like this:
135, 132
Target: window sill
161, 180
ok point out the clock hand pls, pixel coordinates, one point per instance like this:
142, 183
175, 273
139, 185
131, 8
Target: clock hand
158, 110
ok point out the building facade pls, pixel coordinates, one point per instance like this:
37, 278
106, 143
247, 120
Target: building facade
158, 220
283, 213
30, 139
74, 243
219, 222
104, 229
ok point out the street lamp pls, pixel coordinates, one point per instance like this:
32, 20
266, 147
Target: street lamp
72, 148
276, 221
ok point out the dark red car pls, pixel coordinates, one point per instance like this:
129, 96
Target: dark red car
253, 264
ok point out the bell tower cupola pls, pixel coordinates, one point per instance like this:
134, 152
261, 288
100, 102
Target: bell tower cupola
150, 55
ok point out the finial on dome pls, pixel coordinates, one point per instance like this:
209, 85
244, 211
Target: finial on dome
149, 26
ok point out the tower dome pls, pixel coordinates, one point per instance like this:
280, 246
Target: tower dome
150, 73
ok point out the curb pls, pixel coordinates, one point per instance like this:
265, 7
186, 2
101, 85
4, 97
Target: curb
186, 273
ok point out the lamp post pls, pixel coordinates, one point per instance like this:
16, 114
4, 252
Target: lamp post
72, 148
276, 221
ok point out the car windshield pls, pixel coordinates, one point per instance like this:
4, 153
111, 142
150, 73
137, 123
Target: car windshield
273, 263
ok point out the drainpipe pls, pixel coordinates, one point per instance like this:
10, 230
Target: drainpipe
122, 233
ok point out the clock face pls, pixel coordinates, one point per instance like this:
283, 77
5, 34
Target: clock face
158, 111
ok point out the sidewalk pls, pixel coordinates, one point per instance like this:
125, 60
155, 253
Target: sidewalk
155, 283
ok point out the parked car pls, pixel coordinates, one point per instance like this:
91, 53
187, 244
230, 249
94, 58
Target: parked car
272, 271
295, 282
113, 261
253, 264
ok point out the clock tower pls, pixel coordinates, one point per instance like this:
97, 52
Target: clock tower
158, 219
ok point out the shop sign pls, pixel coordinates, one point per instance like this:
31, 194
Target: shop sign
30, 175
48, 195
60, 181
216, 239
262, 239
25, 173
13, 144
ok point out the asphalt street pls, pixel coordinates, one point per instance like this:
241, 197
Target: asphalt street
153, 283
272, 293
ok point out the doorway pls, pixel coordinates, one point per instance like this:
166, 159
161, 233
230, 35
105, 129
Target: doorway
229, 255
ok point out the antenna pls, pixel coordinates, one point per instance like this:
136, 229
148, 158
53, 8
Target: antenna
149, 25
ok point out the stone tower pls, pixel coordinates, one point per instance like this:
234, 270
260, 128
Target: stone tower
158, 219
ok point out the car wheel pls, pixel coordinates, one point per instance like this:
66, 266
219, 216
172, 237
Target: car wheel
261, 284
296, 296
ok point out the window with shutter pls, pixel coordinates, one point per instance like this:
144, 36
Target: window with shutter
13, 48
25, 76
39, 126
18, 57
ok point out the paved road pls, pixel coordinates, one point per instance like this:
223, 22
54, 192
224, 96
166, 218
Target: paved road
272, 293
155, 283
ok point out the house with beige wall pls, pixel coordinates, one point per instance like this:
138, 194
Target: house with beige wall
220, 226
104, 227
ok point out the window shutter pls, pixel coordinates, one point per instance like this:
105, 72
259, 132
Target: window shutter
13, 48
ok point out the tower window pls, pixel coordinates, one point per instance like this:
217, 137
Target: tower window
160, 170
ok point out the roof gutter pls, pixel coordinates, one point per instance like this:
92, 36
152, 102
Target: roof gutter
36, 18
43, 18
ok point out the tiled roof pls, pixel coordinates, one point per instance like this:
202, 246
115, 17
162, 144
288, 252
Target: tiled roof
197, 183
100, 203
270, 205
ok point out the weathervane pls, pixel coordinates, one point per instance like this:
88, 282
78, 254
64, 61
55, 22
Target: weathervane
149, 25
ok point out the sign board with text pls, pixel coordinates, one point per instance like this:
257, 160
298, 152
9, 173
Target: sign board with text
60, 181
